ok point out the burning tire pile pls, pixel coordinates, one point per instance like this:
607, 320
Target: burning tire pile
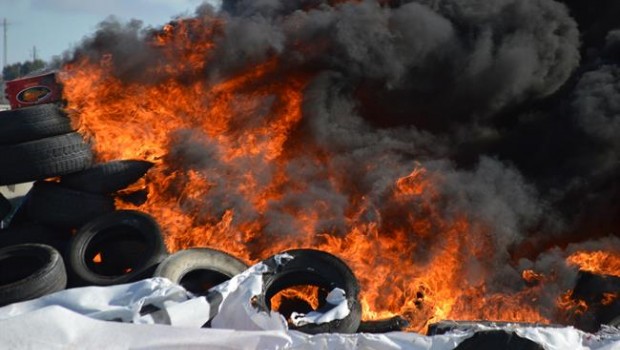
437, 160
67, 233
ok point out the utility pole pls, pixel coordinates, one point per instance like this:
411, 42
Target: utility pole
5, 26
4, 60
34, 53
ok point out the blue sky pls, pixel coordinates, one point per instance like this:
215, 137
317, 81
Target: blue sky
54, 26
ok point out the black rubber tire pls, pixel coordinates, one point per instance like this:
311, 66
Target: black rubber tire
318, 268
106, 178
34, 233
445, 326
125, 239
217, 266
5, 207
497, 339
392, 324
33, 123
50, 204
29, 271
41, 159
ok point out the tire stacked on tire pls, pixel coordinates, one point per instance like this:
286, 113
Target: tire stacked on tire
39, 142
69, 211
53, 205
36, 143
82, 196
107, 178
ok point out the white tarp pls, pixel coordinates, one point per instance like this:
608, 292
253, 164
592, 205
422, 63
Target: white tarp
111, 318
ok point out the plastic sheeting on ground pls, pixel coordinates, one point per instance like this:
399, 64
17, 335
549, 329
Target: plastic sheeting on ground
157, 314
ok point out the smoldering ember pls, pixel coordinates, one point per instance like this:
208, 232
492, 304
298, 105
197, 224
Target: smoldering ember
461, 157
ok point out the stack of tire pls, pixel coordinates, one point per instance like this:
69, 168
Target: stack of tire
66, 231
69, 212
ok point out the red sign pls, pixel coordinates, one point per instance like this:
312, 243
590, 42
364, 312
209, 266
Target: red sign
33, 90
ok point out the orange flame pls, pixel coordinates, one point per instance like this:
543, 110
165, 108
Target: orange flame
599, 262
609, 298
571, 306
97, 259
308, 294
532, 277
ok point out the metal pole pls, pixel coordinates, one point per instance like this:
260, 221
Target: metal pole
5, 26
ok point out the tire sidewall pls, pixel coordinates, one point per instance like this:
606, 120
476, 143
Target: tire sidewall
140, 222
179, 264
313, 267
50, 277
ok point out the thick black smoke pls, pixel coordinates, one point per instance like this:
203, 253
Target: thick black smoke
514, 105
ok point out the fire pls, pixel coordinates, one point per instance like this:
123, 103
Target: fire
308, 294
531, 276
97, 259
225, 149
599, 262
609, 298
572, 307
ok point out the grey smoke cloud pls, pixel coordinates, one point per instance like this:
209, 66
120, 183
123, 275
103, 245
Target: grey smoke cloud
597, 104
480, 54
